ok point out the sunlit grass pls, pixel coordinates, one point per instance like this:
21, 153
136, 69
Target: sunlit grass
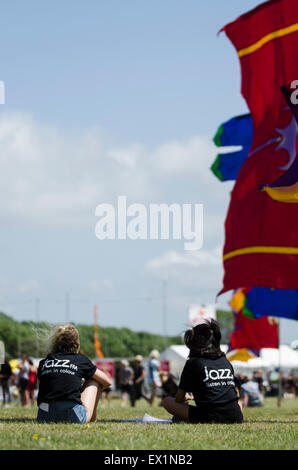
268, 427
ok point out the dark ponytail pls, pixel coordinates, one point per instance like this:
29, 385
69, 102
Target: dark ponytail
204, 340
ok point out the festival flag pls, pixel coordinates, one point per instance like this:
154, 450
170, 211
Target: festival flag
97, 344
199, 313
108, 367
233, 133
261, 245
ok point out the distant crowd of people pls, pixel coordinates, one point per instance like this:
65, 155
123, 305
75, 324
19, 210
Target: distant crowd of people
68, 386
136, 381
21, 382
254, 389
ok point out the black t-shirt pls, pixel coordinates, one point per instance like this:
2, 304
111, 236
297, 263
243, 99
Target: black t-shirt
5, 370
211, 381
137, 370
61, 375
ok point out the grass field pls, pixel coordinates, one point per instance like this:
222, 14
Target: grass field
264, 428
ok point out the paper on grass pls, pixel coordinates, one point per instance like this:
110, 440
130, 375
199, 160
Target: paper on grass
147, 419
150, 419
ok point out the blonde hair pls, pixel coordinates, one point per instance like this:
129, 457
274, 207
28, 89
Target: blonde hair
65, 338
154, 354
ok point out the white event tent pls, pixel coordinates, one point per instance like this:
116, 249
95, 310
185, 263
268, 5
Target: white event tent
284, 357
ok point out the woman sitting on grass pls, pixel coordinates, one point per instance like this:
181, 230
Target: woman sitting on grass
61, 397
209, 376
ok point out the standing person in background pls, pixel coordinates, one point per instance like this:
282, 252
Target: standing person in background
139, 372
169, 385
290, 384
154, 381
5, 374
107, 393
273, 379
257, 376
70, 384
24, 380
32, 381
15, 389
126, 382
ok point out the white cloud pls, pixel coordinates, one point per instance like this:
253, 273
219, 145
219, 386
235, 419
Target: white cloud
57, 177
193, 259
101, 286
182, 157
29, 286
198, 272
9, 288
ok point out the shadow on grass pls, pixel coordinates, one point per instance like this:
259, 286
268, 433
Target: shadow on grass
118, 421
270, 421
107, 421
264, 421
18, 420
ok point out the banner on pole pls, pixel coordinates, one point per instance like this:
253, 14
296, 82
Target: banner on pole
165, 366
108, 367
198, 313
97, 344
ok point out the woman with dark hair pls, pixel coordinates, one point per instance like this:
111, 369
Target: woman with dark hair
209, 376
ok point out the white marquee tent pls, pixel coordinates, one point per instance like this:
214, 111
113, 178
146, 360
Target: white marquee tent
285, 357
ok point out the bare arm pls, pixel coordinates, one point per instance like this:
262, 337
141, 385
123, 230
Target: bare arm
102, 379
245, 400
142, 376
182, 396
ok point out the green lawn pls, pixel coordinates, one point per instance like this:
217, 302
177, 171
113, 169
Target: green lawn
269, 427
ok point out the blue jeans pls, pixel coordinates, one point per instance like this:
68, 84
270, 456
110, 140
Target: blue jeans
62, 412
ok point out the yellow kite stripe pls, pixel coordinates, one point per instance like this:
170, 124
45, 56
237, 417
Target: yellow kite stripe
275, 34
277, 250
290, 197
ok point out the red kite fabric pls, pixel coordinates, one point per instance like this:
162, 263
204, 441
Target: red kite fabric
254, 334
261, 246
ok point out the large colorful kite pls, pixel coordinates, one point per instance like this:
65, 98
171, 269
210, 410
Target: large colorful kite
250, 334
254, 335
261, 246
233, 133
261, 301
256, 301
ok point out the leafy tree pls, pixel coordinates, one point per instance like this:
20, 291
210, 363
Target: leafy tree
29, 338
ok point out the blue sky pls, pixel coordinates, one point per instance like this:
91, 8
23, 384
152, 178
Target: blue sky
105, 98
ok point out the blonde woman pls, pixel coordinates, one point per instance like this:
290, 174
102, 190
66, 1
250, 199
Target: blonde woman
61, 396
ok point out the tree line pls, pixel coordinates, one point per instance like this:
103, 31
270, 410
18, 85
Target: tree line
28, 337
